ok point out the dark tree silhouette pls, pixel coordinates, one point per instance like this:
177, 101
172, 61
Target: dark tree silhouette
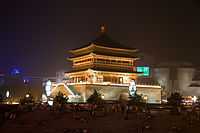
60, 99
28, 99
27, 102
175, 101
137, 101
198, 99
95, 98
1, 98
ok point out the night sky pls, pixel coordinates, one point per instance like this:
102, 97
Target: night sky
37, 35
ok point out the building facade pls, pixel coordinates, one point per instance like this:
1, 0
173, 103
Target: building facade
106, 66
178, 77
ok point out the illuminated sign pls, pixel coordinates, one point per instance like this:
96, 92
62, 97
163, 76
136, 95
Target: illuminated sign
48, 88
132, 88
144, 69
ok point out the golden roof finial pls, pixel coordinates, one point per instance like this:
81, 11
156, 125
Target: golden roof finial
102, 29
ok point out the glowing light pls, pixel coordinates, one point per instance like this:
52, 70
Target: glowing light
164, 101
15, 71
145, 70
7, 93
44, 98
50, 103
15, 103
26, 80
132, 88
48, 82
194, 99
48, 88
149, 86
145, 97
27, 95
75, 98
102, 29
66, 87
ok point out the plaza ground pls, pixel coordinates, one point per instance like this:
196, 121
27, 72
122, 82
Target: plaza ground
44, 121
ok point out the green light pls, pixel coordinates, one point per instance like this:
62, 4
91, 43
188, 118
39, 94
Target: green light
144, 70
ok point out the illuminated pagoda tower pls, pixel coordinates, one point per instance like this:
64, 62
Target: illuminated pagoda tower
108, 67
103, 65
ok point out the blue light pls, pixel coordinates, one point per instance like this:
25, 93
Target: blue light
15, 71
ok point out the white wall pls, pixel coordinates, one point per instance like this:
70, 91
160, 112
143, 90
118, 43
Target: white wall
178, 80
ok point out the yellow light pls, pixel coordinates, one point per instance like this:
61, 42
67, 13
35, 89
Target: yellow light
149, 86
102, 29
27, 95
15, 102
145, 98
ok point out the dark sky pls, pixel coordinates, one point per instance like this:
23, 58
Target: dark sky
36, 35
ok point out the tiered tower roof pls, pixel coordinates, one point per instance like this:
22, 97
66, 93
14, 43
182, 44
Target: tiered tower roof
104, 54
105, 45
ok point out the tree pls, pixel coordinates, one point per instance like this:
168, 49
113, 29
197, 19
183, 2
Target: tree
60, 99
137, 101
1, 98
95, 98
3, 93
175, 101
198, 99
27, 99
